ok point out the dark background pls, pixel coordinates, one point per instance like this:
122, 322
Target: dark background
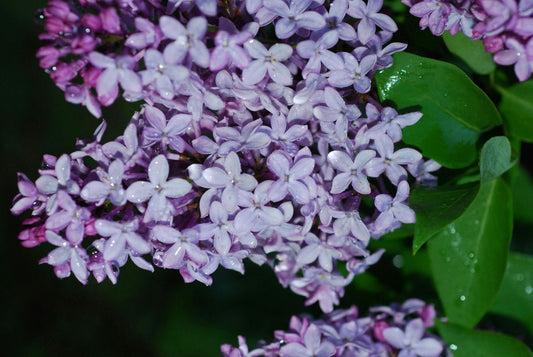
149, 314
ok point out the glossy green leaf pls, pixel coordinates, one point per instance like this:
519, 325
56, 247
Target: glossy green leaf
522, 193
468, 258
464, 342
472, 52
516, 107
495, 157
515, 298
436, 207
455, 110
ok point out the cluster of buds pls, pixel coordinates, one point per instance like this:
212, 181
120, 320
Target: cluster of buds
396, 330
248, 145
506, 27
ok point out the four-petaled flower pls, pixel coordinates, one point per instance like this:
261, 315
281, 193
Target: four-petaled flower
158, 190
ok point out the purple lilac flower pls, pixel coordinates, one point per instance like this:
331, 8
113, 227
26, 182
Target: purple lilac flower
347, 333
393, 209
410, 341
187, 40
120, 234
115, 71
158, 190
290, 175
370, 17
110, 185
506, 27
354, 73
351, 171
166, 134
66, 257
267, 61
243, 148
294, 17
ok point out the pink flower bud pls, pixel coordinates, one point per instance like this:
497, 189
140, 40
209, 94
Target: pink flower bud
63, 73
493, 44
378, 328
92, 22
90, 229
428, 315
110, 20
48, 56
54, 25
83, 44
91, 76
58, 9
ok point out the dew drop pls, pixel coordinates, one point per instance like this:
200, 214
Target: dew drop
471, 255
38, 17
529, 289
452, 230
453, 347
462, 298
281, 342
397, 261
115, 268
476, 222
448, 259
519, 277
36, 204
92, 251
158, 258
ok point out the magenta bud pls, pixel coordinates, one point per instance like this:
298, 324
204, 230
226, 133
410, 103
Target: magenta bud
493, 44
92, 22
48, 56
54, 25
378, 328
110, 20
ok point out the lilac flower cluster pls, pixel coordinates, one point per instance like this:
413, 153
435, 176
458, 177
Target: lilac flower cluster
277, 153
398, 330
506, 27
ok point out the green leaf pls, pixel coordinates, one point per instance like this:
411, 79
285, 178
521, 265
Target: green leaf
515, 298
436, 207
469, 256
495, 158
455, 110
472, 52
516, 107
464, 342
522, 192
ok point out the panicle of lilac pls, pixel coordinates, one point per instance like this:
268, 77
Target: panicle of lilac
506, 27
246, 148
386, 331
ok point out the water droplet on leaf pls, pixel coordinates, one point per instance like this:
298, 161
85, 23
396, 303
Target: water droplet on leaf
397, 261
453, 347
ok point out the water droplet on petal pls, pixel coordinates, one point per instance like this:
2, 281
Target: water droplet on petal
36, 204
92, 251
115, 267
158, 258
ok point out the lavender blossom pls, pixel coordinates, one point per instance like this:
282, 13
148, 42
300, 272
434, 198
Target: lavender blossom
346, 333
242, 148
